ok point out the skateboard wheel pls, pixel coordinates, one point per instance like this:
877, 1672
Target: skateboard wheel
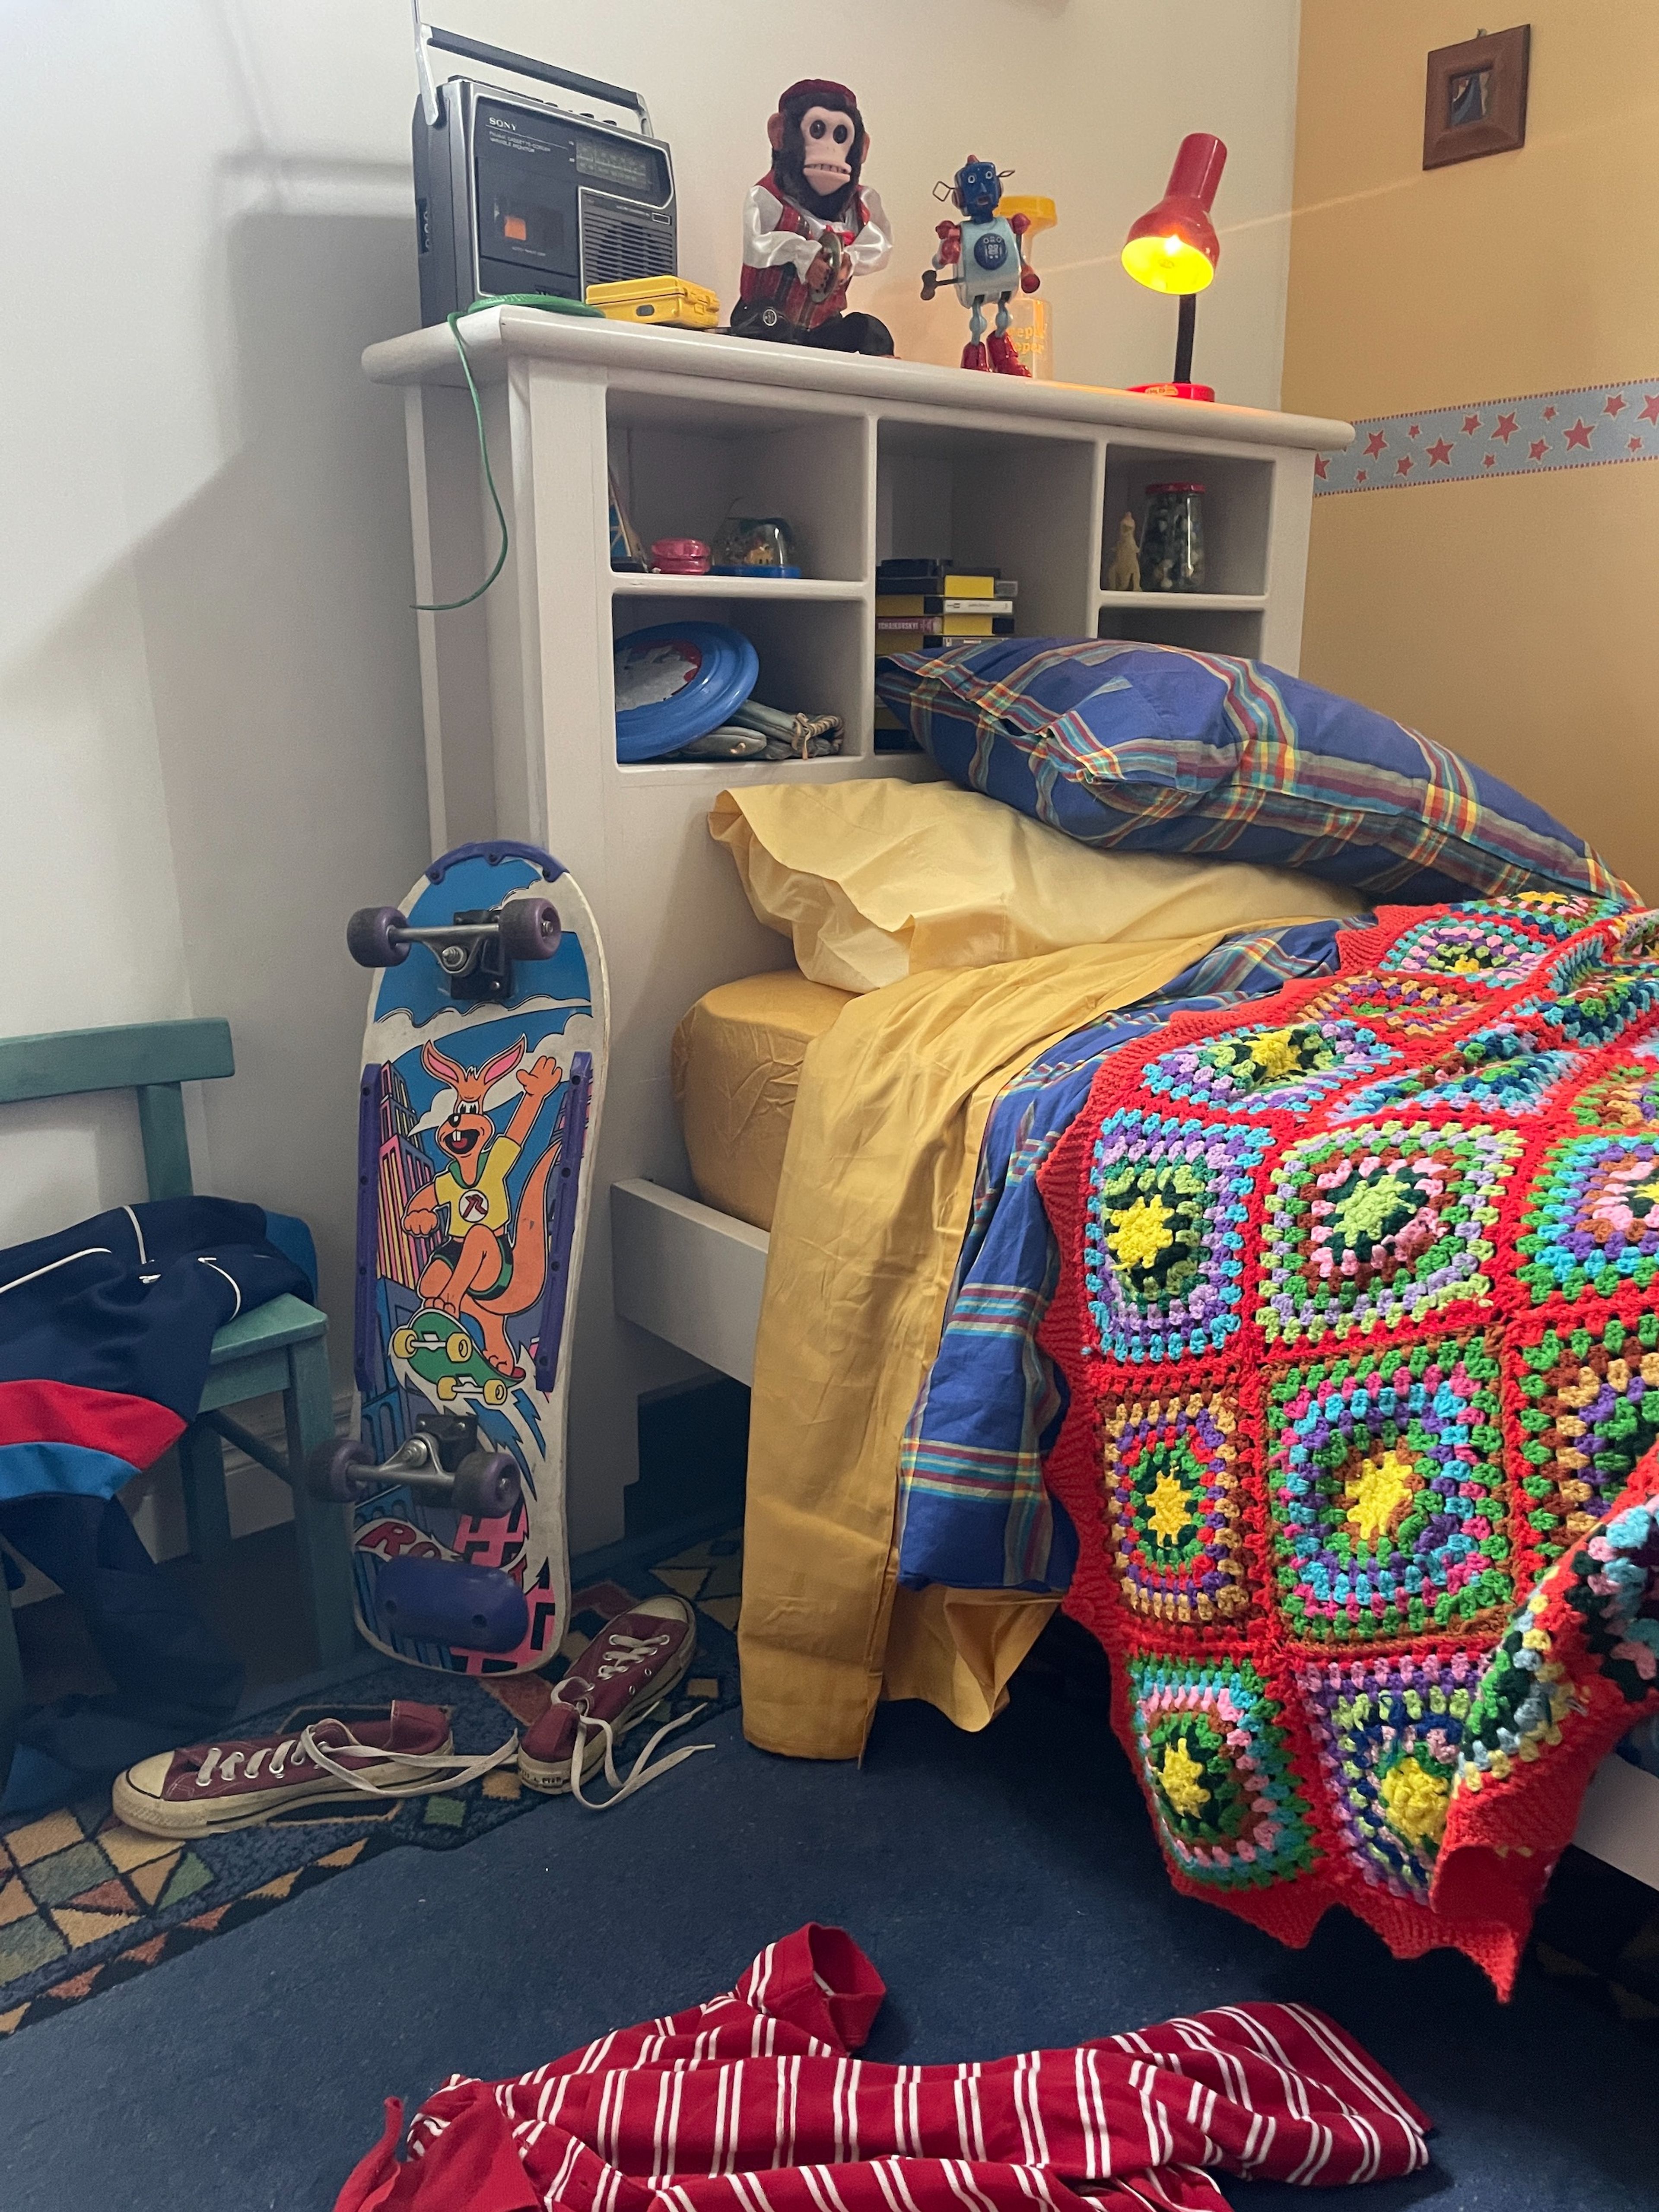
495, 1391
487, 1485
445, 1387
530, 929
336, 1470
368, 937
458, 1346
402, 1343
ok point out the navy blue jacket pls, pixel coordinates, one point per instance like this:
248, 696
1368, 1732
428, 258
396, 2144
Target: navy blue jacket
104, 1333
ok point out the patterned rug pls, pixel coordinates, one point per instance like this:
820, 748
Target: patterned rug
86, 1903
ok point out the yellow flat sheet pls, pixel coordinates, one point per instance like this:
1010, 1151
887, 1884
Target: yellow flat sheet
736, 1063
869, 1215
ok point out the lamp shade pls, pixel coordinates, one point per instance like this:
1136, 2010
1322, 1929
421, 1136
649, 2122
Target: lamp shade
1174, 247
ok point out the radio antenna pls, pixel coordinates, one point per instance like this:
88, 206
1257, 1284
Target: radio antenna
423, 68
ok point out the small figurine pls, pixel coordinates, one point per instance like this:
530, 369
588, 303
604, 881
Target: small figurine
1124, 575
986, 260
810, 226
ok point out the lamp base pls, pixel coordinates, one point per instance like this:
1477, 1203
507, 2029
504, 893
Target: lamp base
1175, 391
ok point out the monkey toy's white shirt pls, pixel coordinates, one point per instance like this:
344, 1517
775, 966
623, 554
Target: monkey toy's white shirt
776, 231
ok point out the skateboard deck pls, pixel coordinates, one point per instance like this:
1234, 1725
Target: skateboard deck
478, 1110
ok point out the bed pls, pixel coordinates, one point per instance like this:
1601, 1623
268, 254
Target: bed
737, 1062
977, 1521
983, 1545
870, 460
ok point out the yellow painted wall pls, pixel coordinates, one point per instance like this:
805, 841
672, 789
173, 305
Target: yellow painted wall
1513, 619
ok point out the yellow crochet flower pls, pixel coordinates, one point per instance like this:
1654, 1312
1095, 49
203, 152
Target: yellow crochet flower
1380, 1491
1181, 1779
1415, 1802
1275, 1054
1168, 1509
1140, 1232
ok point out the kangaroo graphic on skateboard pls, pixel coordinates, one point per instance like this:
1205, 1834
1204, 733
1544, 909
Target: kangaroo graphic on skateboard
482, 1072
495, 1267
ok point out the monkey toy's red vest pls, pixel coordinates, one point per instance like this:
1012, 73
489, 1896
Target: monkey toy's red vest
781, 287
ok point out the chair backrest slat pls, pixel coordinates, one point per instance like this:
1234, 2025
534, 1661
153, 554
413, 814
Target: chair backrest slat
166, 1146
127, 1058
151, 1059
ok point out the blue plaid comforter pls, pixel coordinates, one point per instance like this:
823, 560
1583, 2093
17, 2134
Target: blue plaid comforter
973, 1510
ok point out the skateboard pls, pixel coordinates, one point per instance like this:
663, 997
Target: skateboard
483, 1072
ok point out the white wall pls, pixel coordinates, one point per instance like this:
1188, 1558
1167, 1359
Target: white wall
208, 690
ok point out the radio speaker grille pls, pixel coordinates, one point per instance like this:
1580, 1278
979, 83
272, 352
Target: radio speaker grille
620, 241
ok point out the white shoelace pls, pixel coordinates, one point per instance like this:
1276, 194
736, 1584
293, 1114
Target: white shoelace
641, 1771
452, 1770
622, 1652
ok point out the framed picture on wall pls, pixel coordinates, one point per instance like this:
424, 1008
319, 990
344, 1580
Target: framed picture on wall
1476, 101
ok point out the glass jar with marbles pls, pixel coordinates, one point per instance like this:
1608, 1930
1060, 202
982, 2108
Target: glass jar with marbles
1172, 542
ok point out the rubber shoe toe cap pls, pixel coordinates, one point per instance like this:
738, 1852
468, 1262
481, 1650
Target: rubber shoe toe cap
148, 1777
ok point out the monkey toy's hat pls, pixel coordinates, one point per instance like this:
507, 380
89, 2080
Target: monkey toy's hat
818, 92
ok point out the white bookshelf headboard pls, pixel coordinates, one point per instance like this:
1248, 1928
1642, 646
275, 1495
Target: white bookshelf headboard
866, 459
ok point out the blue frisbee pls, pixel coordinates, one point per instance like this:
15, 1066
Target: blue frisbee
677, 682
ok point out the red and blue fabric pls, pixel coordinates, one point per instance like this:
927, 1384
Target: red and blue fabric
1158, 749
974, 1511
106, 1330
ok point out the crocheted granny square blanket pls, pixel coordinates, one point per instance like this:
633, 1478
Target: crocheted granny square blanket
1358, 1317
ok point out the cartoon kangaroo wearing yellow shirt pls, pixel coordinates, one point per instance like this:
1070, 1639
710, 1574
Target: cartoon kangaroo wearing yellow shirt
479, 1268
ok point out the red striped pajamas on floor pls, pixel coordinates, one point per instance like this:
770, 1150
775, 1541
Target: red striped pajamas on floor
754, 2103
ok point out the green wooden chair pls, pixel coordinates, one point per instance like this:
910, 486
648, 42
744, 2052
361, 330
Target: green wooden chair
279, 1347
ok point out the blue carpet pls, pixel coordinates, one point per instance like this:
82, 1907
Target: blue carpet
1006, 1885
86, 1904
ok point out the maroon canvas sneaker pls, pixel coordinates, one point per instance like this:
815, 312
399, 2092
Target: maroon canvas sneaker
207, 1787
633, 1663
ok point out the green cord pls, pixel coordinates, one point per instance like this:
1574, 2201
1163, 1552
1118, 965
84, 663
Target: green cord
552, 304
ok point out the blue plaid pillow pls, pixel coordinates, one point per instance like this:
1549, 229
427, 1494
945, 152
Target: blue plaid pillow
1151, 749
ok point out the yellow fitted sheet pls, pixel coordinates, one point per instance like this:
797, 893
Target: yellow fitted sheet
736, 1061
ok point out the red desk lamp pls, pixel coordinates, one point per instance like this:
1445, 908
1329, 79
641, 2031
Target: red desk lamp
1174, 248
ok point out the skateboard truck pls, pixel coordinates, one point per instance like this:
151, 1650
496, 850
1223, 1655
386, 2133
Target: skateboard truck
443, 1463
477, 950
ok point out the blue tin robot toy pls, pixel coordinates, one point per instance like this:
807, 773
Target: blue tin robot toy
983, 257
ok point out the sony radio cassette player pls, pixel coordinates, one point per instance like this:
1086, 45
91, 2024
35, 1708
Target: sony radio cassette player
513, 194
